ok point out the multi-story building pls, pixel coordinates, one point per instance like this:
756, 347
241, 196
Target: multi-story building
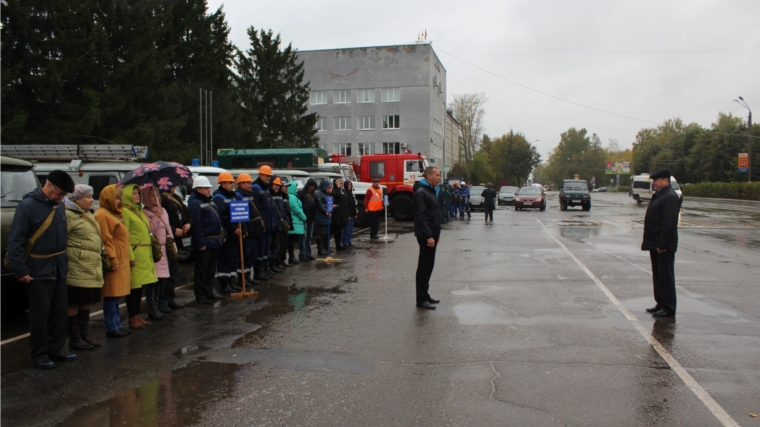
384, 99
453, 139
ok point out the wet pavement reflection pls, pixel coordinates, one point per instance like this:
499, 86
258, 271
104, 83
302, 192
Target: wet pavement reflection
176, 399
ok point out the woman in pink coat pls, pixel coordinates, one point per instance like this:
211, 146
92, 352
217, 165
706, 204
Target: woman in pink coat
159, 227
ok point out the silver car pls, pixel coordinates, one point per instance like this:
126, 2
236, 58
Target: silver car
507, 195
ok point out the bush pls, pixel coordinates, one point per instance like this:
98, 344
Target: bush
723, 190
623, 188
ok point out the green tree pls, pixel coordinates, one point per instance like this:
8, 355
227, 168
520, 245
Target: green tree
576, 153
479, 170
273, 95
514, 158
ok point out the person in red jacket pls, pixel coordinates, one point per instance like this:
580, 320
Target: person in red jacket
373, 206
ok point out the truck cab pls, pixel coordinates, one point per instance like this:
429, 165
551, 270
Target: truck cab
398, 172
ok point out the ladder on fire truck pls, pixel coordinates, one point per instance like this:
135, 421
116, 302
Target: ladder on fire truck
75, 152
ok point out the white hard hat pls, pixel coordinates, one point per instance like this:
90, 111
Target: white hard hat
464, 183
201, 181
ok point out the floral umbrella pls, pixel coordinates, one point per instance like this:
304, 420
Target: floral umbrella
163, 175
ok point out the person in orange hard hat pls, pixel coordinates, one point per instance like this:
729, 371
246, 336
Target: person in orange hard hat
255, 230
263, 199
228, 262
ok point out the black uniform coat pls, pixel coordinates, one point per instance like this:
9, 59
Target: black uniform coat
340, 206
309, 202
178, 213
661, 221
427, 212
489, 195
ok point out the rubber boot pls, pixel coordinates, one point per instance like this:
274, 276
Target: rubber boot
273, 266
292, 259
235, 284
250, 279
258, 275
75, 340
84, 328
265, 271
134, 323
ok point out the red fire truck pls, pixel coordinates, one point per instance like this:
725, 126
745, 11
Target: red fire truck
396, 171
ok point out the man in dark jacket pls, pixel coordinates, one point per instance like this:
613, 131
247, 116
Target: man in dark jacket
427, 229
43, 266
310, 205
263, 200
255, 228
179, 222
661, 240
489, 201
228, 263
207, 236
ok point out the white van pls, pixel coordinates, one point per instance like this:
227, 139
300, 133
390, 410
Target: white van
641, 188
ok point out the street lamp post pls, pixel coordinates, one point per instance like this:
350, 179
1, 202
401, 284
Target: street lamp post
741, 102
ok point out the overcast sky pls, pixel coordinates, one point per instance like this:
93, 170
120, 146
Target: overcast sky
648, 60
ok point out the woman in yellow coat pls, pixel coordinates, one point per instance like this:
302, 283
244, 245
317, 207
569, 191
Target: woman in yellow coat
143, 270
115, 238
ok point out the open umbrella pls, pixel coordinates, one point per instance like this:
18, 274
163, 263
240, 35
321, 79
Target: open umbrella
163, 175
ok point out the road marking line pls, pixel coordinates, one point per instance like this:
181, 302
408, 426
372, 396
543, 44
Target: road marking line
690, 382
93, 314
10, 340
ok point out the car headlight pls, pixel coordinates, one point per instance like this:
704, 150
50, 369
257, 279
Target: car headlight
586, 196
518, 200
538, 200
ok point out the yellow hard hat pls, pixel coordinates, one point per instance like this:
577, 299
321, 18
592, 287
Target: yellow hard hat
225, 177
244, 177
265, 170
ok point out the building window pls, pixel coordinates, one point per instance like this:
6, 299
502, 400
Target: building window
366, 123
392, 147
342, 148
318, 97
391, 94
365, 95
321, 124
391, 122
377, 169
342, 96
343, 123
366, 148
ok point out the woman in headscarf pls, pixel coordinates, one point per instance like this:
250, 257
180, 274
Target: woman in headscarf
159, 226
348, 230
322, 218
85, 277
340, 213
115, 236
143, 270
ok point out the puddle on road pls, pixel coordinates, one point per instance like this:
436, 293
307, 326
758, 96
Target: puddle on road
276, 301
176, 399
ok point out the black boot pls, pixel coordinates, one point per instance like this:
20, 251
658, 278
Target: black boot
224, 286
84, 327
285, 263
235, 284
273, 266
75, 340
258, 275
292, 260
321, 248
265, 270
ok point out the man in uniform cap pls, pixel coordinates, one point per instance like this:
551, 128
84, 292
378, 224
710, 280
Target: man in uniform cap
661, 240
37, 254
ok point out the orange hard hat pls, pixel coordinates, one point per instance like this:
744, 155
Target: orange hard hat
244, 177
225, 177
265, 170
277, 181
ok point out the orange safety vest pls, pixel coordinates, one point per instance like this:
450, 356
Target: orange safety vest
376, 202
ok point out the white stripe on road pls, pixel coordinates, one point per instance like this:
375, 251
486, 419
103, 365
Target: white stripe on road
701, 393
93, 314
10, 340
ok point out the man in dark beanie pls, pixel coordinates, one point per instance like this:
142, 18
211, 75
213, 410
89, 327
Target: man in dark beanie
661, 240
37, 254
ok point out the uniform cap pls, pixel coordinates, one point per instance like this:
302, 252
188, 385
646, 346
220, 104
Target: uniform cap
376, 180
61, 180
277, 181
244, 177
660, 173
201, 182
225, 177
265, 170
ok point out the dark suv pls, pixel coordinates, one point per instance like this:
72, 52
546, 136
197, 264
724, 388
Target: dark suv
574, 192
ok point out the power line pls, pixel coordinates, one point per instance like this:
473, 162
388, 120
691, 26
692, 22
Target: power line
603, 50
544, 93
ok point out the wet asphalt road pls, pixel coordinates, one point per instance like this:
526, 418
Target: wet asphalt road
541, 323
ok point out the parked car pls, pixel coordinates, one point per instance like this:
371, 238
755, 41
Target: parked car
574, 192
476, 200
530, 197
507, 195
600, 190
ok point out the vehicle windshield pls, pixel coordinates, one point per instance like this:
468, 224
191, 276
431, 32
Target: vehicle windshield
348, 173
16, 183
508, 190
674, 185
530, 191
575, 186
